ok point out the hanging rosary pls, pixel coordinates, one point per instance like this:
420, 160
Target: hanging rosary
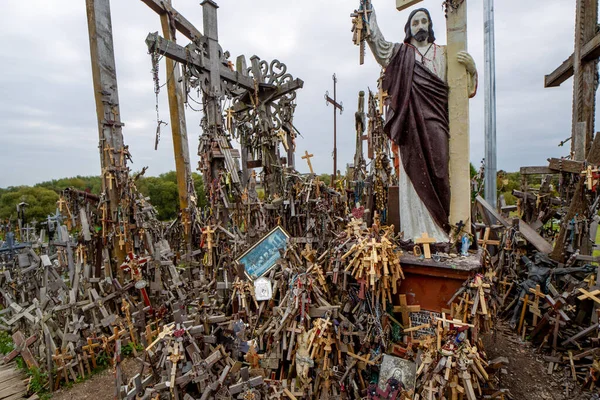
155, 61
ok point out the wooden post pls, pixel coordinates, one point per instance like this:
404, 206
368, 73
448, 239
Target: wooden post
185, 183
578, 204
458, 107
584, 74
107, 102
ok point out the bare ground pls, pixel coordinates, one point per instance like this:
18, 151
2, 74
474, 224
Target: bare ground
100, 386
526, 375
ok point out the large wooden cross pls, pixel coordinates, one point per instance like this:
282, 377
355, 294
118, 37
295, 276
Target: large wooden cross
581, 65
171, 20
458, 107
205, 59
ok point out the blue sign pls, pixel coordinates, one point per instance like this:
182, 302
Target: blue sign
261, 257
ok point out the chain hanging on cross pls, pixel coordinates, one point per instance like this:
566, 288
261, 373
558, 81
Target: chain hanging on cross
155, 62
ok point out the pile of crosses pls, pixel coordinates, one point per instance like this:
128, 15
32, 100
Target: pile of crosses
552, 304
556, 307
326, 328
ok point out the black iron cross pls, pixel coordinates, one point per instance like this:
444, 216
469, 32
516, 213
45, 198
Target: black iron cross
336, 106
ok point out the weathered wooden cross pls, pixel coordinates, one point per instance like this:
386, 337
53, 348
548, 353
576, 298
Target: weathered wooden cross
22, 349
307, 157
458, 107
405, 310
425, 240
206, 61
171, 21
581, 65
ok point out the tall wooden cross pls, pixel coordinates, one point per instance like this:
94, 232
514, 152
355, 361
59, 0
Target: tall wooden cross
171, 21
581, 65
336, 106
106, 94
206, 61
458, 107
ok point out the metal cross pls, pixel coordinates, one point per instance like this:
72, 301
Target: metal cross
338, 106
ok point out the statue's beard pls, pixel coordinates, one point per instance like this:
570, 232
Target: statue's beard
421, 36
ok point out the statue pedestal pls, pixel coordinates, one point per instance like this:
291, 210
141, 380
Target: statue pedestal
432, 284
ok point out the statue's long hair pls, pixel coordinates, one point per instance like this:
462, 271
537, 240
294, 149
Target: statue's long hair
409, 36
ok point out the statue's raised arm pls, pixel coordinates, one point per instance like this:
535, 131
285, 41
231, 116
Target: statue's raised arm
382, 50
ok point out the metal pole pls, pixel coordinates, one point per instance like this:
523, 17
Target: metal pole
334, 131
490, 103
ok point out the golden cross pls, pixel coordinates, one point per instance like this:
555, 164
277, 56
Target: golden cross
307, 157
405, 310
425, 240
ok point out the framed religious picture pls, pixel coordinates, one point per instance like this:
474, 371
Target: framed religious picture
261, 257
402, 370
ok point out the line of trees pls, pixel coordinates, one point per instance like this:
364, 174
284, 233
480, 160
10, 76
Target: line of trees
162, 191
42, 197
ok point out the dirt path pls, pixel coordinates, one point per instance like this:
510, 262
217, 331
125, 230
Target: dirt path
527, 378
100, 386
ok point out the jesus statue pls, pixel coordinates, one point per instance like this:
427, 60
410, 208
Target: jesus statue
417, 120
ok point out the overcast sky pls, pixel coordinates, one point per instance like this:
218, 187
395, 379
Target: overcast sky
47, 112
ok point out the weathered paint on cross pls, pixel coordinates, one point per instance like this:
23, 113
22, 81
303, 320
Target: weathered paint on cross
107, 100
582, 66
185, 183
458, 108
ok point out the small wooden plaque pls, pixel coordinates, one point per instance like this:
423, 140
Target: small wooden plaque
404, 4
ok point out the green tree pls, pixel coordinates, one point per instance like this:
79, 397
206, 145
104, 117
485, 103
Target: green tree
41, 202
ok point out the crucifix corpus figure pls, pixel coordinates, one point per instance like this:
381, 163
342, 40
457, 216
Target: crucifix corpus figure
416, 80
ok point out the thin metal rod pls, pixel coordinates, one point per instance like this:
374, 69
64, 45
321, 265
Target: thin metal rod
334, 131
490, 103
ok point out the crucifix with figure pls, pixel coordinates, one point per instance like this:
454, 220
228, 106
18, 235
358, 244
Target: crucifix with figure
207, 66
434, 173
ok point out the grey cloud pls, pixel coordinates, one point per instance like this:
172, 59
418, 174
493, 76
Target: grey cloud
46, 98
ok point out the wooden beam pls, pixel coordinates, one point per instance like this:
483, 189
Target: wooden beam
181, 24
562, 165
536, 170
458, 112
589, 52
560, 74
106, 94
493, 211
534, 238
185, 183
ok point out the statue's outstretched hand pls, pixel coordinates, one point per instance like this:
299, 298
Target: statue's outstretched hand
465, 59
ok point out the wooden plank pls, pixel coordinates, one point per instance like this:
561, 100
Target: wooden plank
560, 74
557, 164
536, 170
14, 388
404, 4
534, 238
181, 23
591, 50
492, 211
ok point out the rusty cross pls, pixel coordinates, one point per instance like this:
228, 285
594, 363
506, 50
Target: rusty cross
336, 106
